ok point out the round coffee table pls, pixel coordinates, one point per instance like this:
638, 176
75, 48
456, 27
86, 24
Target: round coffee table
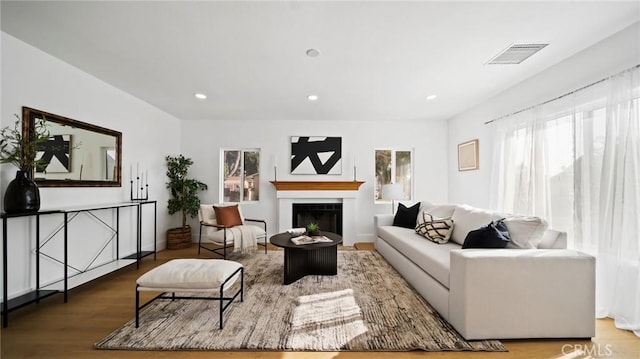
308, 259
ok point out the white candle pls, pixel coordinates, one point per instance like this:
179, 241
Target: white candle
147, 176
354, 166
137, 170
130, 173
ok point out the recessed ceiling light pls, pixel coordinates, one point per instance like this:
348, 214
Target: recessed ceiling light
201, 96
312, 97
313, 52
431, 97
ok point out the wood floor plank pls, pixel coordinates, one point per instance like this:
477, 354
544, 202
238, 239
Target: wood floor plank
52, 329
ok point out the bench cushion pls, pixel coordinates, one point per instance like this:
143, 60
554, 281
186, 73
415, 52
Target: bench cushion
189, 274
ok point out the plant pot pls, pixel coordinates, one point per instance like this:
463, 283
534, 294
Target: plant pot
179, 237
22, 195
313, 233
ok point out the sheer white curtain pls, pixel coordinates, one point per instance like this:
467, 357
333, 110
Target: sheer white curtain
521, 179
618, 256
534, 164
576, 162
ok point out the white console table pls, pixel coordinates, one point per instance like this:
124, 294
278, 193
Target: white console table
83, 275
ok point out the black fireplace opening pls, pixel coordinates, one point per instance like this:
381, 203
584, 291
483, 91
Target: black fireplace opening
327, 215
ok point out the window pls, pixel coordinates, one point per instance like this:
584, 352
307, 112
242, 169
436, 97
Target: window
393, 166
241, 171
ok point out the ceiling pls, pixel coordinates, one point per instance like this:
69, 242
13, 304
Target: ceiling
378, 60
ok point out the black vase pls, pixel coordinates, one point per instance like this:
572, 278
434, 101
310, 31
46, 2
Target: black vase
22, 194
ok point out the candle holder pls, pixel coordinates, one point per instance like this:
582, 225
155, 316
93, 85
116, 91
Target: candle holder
141, 190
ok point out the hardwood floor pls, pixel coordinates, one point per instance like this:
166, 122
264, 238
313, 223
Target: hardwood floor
52, 329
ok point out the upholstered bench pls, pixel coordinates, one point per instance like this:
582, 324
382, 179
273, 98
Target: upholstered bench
191, 276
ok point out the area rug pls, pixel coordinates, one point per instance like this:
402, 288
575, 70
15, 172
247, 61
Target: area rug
366, 307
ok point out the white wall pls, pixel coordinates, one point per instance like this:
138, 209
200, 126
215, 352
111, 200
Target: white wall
612, 55
35, 79
203, 140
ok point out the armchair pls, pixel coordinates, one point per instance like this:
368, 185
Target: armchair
225, 236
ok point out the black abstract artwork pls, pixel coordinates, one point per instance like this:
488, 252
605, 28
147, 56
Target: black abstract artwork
54, 155
316, 155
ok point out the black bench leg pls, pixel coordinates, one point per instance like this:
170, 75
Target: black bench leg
221, 305
137, 307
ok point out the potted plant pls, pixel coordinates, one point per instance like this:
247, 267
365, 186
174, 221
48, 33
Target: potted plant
313, 229
184, 199
22, 193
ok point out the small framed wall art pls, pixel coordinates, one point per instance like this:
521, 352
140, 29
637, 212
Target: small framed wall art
468, 155
316, 155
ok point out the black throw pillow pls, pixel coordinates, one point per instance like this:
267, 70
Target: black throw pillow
406, 216
493, 235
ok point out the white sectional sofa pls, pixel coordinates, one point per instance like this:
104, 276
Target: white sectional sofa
545, 291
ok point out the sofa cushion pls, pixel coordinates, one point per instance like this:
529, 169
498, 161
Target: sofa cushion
424, 205
467, 218
431, 257
235, 232
493, 235
526, 232
435, 229
552, 239
406, 216
439, 210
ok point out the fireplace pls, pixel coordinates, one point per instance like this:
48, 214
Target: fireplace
343, 193
327, 215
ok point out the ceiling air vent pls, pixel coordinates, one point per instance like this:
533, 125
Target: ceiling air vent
516, 53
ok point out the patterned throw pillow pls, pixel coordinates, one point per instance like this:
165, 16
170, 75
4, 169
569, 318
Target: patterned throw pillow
434, 229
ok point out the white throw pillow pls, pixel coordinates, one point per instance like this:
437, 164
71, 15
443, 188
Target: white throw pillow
525, 232
435, 229
468, 218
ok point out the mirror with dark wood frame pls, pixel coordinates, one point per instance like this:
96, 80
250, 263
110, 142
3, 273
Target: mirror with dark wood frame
78, 154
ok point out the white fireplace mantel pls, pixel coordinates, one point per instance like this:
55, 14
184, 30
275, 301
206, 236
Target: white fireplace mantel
288, 193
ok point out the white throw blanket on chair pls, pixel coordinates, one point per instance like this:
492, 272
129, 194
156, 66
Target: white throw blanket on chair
244, 239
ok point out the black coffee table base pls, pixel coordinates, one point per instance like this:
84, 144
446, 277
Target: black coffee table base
300, 262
